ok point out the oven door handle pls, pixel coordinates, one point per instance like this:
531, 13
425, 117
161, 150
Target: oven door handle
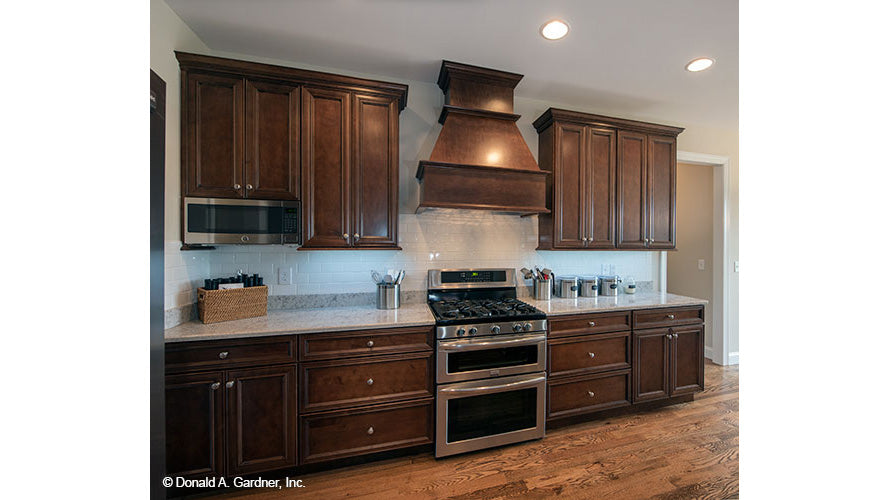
495, 388
471, 346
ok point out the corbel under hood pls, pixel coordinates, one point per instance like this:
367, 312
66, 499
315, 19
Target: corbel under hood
480, 160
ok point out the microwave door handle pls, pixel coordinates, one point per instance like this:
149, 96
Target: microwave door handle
472, 346
494, 388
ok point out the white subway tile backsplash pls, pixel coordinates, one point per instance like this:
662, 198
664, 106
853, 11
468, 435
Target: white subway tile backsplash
432, 239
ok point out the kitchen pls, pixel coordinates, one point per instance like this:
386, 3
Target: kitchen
349, 284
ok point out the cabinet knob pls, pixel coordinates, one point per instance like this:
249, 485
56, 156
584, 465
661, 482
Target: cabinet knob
229, 384
249, 186
214, 385
223, 354
669, 336
592, 323
370, 343
370, 381
583, 239
370, 430
592, 394
675, 335
592, 355
345, 236
671, 316
355, 235
237, 186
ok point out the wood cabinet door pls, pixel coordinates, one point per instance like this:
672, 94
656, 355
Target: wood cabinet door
631, 191
194, 424
261, 429
375, 171
571, 200
601, 185
325, 168
272, 141
213, 136
651, 364
661, 191
687, 360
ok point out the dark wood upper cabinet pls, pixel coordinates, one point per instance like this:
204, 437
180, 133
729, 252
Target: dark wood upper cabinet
613, 182
272, 142
326, 169
262, 425
374, 171
194, 425
213, 135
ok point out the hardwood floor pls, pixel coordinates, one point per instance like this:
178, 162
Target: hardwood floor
685, 451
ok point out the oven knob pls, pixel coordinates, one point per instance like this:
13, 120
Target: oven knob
517, 327
473, 330
527, 327
495, 329
461, 332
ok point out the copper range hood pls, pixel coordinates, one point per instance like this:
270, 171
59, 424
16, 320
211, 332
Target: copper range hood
480, 160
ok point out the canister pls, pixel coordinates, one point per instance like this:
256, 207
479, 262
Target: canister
608, 285
543, 289
567, 287
589, 286
388, 296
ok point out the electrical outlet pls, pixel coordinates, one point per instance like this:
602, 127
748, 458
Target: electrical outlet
285, 275
700, 264
736, 266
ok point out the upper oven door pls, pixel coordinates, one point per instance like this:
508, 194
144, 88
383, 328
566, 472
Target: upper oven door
479, 358
222, 221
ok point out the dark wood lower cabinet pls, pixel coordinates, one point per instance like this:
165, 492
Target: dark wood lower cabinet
668, 362
194, 429
567, 397
687, 375
261, 424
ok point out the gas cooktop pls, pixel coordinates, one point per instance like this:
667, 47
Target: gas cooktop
465, 296
457, 311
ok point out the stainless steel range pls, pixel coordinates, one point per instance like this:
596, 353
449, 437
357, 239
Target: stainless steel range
491, 361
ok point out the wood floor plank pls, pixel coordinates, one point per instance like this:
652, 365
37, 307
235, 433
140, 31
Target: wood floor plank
679, 452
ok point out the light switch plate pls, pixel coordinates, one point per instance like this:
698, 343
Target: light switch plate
736, 266
285, 275
700, 264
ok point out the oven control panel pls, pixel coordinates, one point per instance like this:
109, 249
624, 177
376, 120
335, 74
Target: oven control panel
489, 329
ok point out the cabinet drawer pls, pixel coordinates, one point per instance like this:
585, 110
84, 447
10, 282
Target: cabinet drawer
655, 318
579, 395
364, 343
589, 323
589, 354
326, 385
188, 356
345, 433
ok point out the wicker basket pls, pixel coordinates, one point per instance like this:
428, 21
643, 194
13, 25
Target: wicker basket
234, 303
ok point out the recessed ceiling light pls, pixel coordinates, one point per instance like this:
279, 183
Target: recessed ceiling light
554, 29
699, 64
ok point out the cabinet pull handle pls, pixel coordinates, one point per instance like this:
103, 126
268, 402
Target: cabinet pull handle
237, 186
214, 385
249, 187
223, 354
229, 384
370, 381
370, 430
592, 323
671, 316
592, 355
370, 343
592, 394
345, 236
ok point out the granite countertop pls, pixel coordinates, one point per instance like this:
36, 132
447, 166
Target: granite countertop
641, 300
327, 319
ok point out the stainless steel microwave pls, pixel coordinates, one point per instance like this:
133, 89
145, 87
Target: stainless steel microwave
241, 222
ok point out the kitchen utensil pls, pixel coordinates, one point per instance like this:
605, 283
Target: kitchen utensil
608, 285
567, 287
388, 279
400, 277
547, 273
376, 277
589, 286
526, 273
388, 295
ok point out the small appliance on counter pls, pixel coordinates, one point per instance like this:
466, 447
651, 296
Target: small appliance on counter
567, 287
589, 286
609, 286
388, 288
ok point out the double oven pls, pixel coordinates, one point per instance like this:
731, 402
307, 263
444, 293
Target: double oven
491, 370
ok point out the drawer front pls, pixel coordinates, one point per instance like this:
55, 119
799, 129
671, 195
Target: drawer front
364, 343
589, 354
589, 323
189, 356
332, 435
579, 395
656, 318
327, 385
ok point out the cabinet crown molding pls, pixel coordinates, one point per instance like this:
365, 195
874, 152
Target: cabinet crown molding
552, 115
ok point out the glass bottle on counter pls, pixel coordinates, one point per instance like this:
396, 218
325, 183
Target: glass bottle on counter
630, 285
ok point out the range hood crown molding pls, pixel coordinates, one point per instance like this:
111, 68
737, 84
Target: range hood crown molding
480, 159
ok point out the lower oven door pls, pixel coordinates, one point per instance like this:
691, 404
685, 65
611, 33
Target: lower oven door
486, 357
484, 413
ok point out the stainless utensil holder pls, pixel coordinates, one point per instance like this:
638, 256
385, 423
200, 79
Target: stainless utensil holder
388, 296
543, 289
